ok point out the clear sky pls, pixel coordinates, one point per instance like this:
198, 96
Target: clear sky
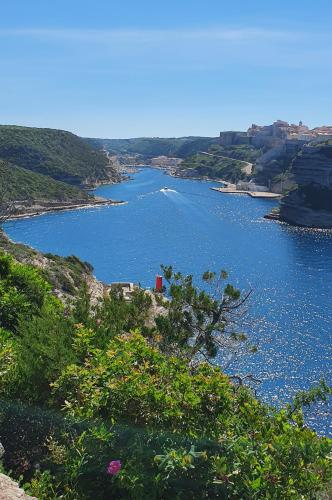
131, 68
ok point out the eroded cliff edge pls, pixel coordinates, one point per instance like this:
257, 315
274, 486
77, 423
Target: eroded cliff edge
310, 205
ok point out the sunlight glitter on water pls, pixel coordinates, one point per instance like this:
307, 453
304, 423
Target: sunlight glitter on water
195, 229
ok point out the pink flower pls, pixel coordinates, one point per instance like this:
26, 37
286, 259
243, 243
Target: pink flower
114, 467
98, 322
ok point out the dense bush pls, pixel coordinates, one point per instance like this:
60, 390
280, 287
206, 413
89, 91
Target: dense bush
95, 404
23, 292
46, 164
19, 184
56, 153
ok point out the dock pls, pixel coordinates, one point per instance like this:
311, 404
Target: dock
253, 194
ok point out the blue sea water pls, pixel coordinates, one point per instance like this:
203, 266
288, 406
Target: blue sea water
194, 228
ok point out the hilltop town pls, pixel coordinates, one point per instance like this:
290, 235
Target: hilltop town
297, 162
272, 135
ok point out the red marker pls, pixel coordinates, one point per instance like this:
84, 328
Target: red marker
159, 283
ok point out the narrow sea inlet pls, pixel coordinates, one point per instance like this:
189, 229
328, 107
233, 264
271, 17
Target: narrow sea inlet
196, 229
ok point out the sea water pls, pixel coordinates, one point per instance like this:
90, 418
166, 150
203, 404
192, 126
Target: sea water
195, 229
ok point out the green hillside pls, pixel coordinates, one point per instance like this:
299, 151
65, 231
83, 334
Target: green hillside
215, 167
56, 153
149, 147
195, 144
17, 183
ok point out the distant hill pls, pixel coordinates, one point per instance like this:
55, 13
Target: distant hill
150, 147
17, 183
189, 149
55, 153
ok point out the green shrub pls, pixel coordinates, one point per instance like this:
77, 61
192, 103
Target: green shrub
245, 449
23, 292
81, 389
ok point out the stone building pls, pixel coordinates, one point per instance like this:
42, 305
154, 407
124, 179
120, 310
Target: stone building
269, 136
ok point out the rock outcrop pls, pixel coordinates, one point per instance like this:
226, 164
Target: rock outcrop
273, 167
66, 274
310, 204
9, 490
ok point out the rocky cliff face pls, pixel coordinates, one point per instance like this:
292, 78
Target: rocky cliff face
272, 168
66, 274
311, 203
9, 490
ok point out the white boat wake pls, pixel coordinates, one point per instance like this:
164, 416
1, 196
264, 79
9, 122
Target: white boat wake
140, 196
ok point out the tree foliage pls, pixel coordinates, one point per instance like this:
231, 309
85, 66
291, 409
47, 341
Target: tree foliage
197, 322
87, 387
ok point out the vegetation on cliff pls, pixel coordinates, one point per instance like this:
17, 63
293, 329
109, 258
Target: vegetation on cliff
46, 167
97, 402
55, 153
66, 275
20, 184
221, 163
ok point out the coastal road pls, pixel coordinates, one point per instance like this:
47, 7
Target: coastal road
246, 169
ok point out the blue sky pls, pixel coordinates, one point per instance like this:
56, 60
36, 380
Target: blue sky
107, 68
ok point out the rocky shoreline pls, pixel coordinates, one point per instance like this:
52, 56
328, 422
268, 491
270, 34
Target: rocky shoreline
310, 204
36, 210
300, 215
